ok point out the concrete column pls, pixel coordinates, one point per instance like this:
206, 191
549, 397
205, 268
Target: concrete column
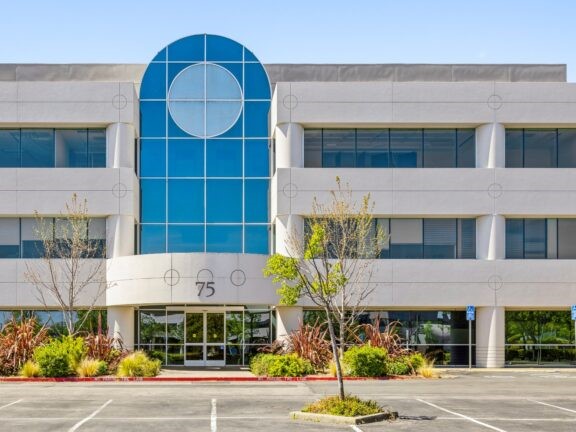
490, 336
289, 145
490, 237
121, 324
288, 228
288, 318
120, 146
119, 236
490, 150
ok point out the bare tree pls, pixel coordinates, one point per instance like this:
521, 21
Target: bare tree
71, 270
331, 265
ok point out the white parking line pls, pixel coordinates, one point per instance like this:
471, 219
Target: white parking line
462, 416
81, 422
10, 404
553, 406
356, 428
213, 417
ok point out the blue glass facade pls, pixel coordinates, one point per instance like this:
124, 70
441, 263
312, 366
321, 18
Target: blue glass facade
204, 149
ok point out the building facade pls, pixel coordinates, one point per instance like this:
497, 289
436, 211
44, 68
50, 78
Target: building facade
199, 165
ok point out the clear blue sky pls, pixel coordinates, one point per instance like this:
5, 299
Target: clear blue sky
295, 31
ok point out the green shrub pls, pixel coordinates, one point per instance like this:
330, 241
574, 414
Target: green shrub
365, 361
417, 360
280, 365
138, 364
260, 363
398, 366
60, 357
91, 367
30, 369
405, 365
351, 406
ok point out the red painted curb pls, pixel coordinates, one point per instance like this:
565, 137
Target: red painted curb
191, 379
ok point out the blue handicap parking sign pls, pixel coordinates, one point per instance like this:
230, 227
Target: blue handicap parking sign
573, 312
470, 313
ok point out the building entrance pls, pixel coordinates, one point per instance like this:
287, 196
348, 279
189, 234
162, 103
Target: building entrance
205, 335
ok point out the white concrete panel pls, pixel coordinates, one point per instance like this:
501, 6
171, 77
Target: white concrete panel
536, 92
8, 270
62, 179
8, 292
173, 278
64, 113
8, 203
67, 91
536, 203
442, 113
437, 92
8, 92
9, 113
121, 325
53, 202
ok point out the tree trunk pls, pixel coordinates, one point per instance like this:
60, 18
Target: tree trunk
336, 355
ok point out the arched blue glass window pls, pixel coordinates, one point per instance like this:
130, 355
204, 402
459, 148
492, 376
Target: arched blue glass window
204, 153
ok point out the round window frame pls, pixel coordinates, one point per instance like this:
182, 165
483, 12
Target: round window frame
205, 100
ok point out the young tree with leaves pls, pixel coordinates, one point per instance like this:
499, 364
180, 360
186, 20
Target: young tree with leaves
71, 269
331, 265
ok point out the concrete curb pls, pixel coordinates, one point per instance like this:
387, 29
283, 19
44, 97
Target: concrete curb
334, 419
189, 379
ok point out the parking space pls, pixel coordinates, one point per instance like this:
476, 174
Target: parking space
511, 402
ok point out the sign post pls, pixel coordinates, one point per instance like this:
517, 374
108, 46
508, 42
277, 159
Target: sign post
573, 313
471, 316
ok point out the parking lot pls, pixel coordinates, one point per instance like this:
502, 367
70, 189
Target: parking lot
479, 401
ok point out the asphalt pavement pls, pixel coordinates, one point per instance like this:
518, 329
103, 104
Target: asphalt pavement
505, 400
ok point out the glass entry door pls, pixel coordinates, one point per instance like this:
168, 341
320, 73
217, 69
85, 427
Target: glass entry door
205, 339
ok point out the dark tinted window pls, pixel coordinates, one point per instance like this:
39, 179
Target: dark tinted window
372, 148
466, 142
439, 148
539, 148
313, 148
406, 148
514, 149
339, 148
566, 148
515, 238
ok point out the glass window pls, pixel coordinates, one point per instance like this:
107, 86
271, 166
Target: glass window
71, 147
406, 238
155, 74
152, 327
534, 238
256, 158
540, 148
175, 327
97, 234
186, 158
384, 226
224, 158
219, 48
256, 239
256, 82
152, 239
256, 201
9, 238
514, 148
32, 245
439, 148
439, 238
372, 148
257, 327
339, 148
153, 200
185, 238
224, 201
152, 158
406, 148
466, 140
187, 49
96, 148
185, 200
313, 148
567, 238
256, 119
37, 146
514, 238
9, 148
551, 238
152, 119
467, 238
566, 148
224, 238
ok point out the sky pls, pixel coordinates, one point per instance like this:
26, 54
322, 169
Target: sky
295, 31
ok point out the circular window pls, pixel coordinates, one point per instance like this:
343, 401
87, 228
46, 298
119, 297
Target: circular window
205, 100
